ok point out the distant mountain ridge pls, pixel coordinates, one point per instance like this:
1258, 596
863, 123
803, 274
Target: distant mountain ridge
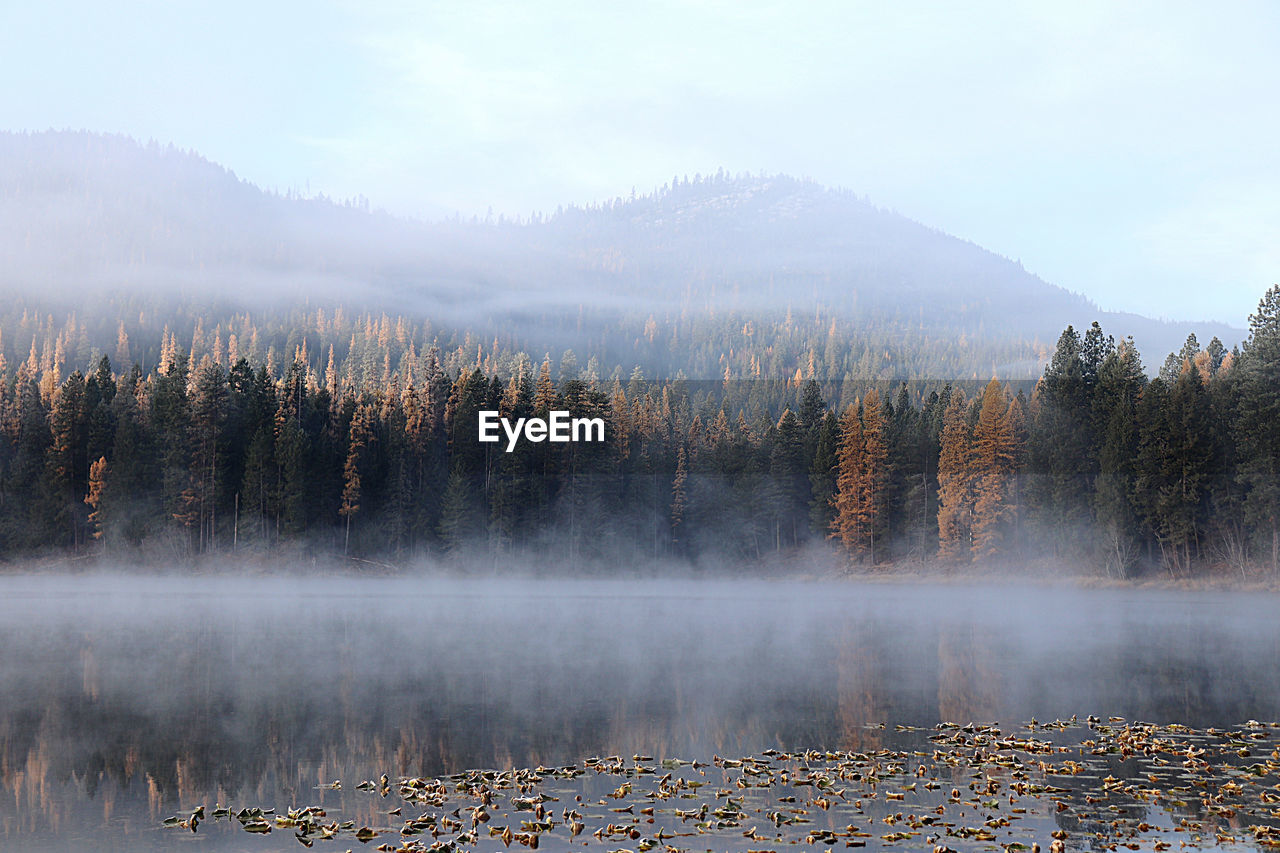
87, 219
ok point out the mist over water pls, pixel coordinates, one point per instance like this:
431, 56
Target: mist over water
126, 699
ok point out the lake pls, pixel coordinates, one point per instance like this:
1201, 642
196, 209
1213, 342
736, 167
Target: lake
126, 700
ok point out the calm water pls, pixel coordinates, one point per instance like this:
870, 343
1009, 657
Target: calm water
124, 701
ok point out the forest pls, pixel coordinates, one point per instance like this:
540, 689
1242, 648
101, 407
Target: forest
373, 454
745, 275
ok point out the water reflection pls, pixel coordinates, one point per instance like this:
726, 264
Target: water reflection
127, 700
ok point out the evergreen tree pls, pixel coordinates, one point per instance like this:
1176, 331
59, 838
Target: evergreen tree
812, 406
460, 518
130, 499
29, 502
955, 482
169, 417
258, 504
788, 480
1257, 423
207, 420
100, 394
358, 440
678, 498
292, 447
270, 449
68, 464
1063, 457
822, 474
1120, 386
1174, 457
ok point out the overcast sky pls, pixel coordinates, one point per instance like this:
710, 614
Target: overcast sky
1125, 150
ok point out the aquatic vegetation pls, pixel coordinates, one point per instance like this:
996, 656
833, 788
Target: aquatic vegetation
1100, 784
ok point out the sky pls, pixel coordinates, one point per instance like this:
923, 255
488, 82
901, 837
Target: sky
1125, 150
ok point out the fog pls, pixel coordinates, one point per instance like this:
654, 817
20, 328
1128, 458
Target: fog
145, 671
104, 220
130, 696
695, 665
149, 694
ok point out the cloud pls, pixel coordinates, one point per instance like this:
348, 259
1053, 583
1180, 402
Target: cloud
1225, 230
1050, 132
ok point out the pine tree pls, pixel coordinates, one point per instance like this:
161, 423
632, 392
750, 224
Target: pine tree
67, 461
208, 404
29, 500
100, 393
788, 479
822, 474
1217, 353
258, 488
293, 477
130, 498
1110, 466
955, 484
169, 416
1063, 448
812, 406
904, 486
679, 498
398, 464
357, 441
460, 520
1174, 459
1120, 386
1257, 423
1230, 530
1176, 361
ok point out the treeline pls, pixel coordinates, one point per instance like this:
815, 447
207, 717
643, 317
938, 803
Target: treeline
367, 348
1096, 465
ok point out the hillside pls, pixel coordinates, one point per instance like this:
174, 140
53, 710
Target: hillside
743, 275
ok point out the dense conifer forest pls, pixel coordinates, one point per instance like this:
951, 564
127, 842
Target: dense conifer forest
192, 367
368, 448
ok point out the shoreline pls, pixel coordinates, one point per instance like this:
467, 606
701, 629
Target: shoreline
800, 569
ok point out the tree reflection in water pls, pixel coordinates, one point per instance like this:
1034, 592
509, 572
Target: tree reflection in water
149, 702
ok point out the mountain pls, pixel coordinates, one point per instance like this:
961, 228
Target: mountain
679, 280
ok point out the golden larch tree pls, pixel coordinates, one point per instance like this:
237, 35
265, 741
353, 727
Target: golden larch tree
846, 500
861, 477
992, 465
544, 390
875, 471
97, 486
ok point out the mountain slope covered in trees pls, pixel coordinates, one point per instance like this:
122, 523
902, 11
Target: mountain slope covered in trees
711, 276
